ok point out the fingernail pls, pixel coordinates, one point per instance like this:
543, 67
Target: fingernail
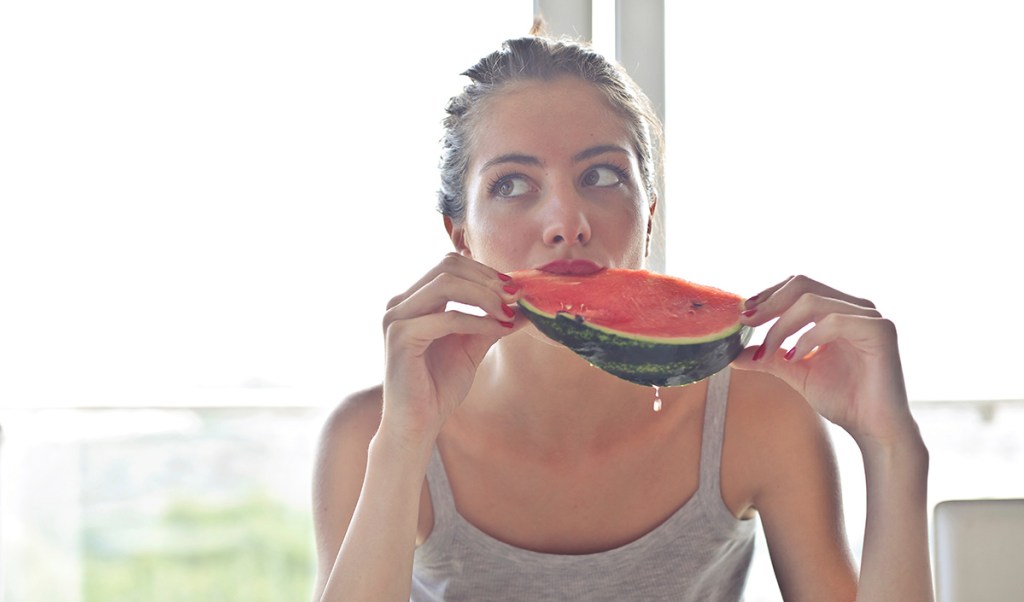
504, 277
749, 312
790, 354
508, 311
752, 299
510, 289
506, 324
758, 354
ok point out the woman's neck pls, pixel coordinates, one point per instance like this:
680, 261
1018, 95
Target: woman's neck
547, 396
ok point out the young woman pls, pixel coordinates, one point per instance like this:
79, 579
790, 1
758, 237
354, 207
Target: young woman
494, 464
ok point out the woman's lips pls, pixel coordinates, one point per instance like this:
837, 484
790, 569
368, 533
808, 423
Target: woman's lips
571, 266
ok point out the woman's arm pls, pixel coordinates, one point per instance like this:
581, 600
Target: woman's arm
366, 503
367, 491
785, 453
847, 367
895, 563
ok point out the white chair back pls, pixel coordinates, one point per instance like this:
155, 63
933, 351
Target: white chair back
979, 550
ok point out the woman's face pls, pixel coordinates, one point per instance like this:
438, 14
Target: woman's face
553, 178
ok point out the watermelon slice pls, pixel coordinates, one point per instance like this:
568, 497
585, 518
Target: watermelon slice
644, 327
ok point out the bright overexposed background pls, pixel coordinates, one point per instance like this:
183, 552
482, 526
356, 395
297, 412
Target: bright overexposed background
210, 195
877, 146
203, 195
208, 204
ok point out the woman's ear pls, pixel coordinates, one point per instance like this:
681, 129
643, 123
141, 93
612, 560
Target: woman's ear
458, 236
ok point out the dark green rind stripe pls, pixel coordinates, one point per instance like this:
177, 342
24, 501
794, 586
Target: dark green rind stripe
642, 361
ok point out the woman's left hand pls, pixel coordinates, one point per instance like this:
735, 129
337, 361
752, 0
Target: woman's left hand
846, 365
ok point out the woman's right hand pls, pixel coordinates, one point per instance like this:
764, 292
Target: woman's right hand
432, 353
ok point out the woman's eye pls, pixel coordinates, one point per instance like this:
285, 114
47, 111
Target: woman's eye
602, 176
511, 186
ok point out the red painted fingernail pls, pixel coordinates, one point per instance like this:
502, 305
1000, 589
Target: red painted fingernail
510, 289
506, 324
749, 312
753, 299
758, 354
508, 311
504, 277
790, 354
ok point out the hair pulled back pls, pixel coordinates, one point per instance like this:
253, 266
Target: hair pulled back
537, 57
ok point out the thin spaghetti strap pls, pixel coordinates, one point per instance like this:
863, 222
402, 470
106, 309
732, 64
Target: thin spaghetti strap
442, 500
713, 433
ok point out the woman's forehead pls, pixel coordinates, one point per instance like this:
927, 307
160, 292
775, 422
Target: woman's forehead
561, 116
539, 98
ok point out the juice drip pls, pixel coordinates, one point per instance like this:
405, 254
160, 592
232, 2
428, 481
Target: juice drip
657, 399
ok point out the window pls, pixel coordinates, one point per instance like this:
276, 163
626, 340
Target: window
197, 203
199, 200
875, 146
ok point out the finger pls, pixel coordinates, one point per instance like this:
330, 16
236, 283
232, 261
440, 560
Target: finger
808, 309
792, 373
454, 263
860, 330
446, 288
463, 268
416, 334
773, 301
760, 297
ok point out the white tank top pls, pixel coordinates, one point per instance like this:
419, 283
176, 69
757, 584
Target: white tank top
701, 552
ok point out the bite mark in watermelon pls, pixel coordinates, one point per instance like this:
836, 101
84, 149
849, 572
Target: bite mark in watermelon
643, 327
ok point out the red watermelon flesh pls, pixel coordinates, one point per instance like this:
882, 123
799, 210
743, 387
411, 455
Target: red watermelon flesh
643, 304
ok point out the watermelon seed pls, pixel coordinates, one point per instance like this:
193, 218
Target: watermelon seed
657, 398
696, 304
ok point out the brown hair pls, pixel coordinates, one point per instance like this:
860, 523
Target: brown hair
536, 57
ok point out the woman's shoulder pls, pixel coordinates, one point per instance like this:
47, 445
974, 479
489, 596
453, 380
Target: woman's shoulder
763, 399
353, 422
784, 467
339, 470
778, 432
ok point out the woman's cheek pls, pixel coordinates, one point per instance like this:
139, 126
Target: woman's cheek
501, 248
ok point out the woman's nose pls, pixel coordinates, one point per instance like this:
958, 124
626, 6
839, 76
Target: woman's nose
566, 221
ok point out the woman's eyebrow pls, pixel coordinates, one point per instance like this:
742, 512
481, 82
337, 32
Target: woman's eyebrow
597, 150
519, 158
524, 159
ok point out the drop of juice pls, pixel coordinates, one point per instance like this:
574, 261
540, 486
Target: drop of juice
657, 398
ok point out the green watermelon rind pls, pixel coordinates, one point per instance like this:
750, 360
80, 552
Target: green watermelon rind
640, 359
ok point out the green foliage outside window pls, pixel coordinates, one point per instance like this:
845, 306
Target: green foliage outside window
252, 551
